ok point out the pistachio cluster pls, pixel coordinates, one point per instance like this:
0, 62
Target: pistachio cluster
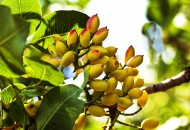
85, 52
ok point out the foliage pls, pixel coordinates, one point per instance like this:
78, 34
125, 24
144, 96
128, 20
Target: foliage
171, 19
33, 77
34, 92
25, 76
78, 3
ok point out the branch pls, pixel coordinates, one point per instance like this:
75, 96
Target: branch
127, 124
182, 77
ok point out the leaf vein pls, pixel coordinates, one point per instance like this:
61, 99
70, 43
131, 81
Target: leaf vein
57, 109
12, 34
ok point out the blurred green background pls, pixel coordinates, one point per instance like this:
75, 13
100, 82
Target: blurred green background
167, 57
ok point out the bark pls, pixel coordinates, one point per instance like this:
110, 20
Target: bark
182, 77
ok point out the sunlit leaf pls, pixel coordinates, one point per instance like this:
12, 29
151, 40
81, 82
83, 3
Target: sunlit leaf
59, 22
86, 79
60, 108
29, 10
34, 53
12, 42
7, 94
42, 71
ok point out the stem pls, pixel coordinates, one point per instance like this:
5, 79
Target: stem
106, 124
34, 41
182, 77
92, 101
131, 114
128, 124
83, 54
115, 113
124, 66
88, 96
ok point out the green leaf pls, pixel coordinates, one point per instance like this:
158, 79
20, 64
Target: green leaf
86, 79
34, 53
7, 94
84, 76
12, 42
59, 22
17, 112
33, 92
42, 71
7, 120
29, 10
60, 108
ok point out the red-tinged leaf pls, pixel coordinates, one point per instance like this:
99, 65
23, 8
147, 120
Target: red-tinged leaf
129, 53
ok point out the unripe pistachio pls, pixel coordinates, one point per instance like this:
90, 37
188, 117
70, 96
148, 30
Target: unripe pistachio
112, 84
135, 71
52, 50
55, 61
138, 83
143, 99
128, 84
46, 57
103, 50
120, 75
149, 123
129, 71
79, 63
72, 38
94, 54
120, 108
129, 53
111, 51
102, 60
96, 94
32, 108
87, 68
124, 102
57, 37
135, 61
96, 111
95, 71
112, 65
118, 92
67, 59
98, 85
85, 59
93, 23
85, 38
100, 36
61, 48
109, 99
78, 71
135, 93
80, 122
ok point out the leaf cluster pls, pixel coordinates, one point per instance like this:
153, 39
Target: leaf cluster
25, 78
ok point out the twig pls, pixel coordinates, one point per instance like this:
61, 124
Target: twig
114, 116
127, 124
182, 77
131, 114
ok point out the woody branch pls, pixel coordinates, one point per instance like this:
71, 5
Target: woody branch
182, 77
